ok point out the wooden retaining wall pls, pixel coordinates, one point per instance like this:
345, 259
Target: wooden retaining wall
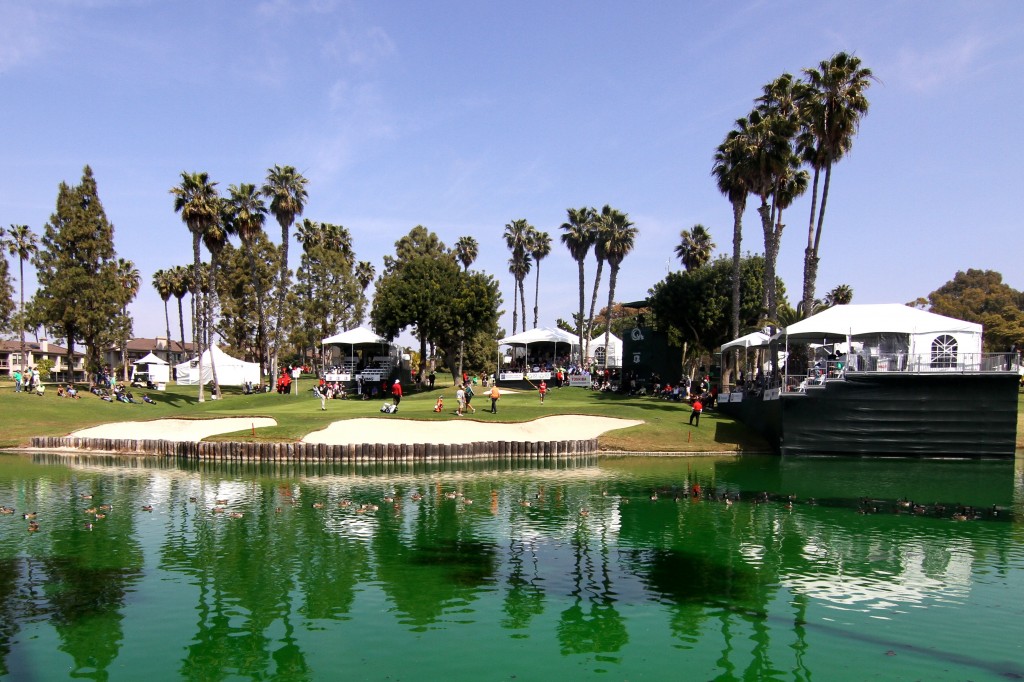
320, 452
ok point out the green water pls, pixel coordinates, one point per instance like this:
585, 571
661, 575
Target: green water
593, 579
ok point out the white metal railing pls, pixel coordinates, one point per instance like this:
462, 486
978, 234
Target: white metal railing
924, 363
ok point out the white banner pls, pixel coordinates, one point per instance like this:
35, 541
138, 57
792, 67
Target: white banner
337, 376
510, 376
537, 376
581, 380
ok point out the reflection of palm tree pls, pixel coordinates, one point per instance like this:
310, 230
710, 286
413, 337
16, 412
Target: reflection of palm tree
524, 598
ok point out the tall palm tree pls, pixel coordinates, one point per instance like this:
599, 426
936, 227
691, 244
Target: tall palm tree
466, 251
517, 239
695, 247
247, 215
165, 289
23, 243
286, 189
540, 248
181, 285
128, 280
833, 107
216, 238
602, 231
620, 236
197, 201
578, 237
841, 294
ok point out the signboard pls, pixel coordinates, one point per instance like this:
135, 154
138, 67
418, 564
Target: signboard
537, 376
510, 376
580, 380
337, 376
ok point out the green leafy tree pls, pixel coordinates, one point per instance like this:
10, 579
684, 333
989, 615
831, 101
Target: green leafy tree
981, 296
128, 279
832, 106
79, 291
7, 303
841, 294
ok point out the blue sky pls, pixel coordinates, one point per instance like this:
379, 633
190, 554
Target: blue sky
462, 116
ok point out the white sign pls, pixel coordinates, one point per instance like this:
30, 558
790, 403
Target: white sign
511, 376
337, 376
536, 376
581, 380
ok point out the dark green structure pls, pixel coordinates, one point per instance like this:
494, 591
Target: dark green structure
646, 351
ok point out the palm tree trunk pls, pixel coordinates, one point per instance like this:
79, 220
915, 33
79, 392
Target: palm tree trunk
593, 303
260, 329
21, 280
282, 288
579, 321
167, 321
211, 301
810, 256
196, 332
612, 276
536, 296
124, 346
515, 304
181, 324
737, 240
811, 274
522, 299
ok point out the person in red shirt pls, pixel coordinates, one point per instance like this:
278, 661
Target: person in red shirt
396, 394
698, 407
543, 390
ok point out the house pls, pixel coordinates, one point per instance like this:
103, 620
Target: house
168, 350
35, 352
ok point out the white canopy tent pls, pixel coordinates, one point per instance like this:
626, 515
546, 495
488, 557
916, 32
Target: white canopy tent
752, 340
353, 338
152, 369
613, 353
540, 335
230, 371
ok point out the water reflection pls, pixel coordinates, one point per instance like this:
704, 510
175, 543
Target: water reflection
290, 571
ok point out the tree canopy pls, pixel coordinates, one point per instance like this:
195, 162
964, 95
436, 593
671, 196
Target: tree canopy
79, 289
982, 296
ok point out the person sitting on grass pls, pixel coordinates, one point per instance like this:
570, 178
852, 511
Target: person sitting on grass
439, 405
149, 401
72, 392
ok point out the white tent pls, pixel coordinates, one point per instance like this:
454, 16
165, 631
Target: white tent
354, 337
230, 371
540, 335
152, 369
751, 340
614, 352
841, 321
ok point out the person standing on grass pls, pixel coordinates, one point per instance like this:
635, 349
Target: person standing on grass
469, 397
543, 388
495, 394
17, 381
698, 407
396, 394
460, 398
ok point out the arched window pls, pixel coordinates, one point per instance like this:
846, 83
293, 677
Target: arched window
944, 351
599, 355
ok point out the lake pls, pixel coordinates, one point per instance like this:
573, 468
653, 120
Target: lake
789, 569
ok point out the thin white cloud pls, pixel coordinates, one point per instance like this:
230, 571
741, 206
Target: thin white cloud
22, 35
926, 71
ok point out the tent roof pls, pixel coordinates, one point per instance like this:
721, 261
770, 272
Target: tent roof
220, 357
613, 341
539, 335
859, 319
150, 360
752, 340
355, 337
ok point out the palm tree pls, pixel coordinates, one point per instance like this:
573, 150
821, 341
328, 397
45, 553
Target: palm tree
286, 189
695, 247
248, 214
216, 238
197, 200
517, 239
181, 285
540, 247
365, 274
466, 251
841, 294
23, 243
602, 229
165, 289
578, 237
128, 279
832, 108
620, 236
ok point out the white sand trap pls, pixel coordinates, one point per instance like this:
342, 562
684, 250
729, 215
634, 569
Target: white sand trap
175, 429
462, 430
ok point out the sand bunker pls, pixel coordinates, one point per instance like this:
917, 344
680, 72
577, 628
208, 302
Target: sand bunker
461, 430
175, 429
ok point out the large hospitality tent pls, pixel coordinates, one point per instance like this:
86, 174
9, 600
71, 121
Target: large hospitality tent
540, 336
857, 320
358, 337
230, 371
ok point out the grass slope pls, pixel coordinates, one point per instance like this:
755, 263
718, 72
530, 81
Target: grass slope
665, 427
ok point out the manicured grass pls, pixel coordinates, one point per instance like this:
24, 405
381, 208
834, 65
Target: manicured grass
665, 427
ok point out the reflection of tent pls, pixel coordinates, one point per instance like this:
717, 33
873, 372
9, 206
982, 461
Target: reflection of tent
152, 369
230, 371
614, 350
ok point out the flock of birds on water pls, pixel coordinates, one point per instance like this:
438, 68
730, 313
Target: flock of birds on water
864, 505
